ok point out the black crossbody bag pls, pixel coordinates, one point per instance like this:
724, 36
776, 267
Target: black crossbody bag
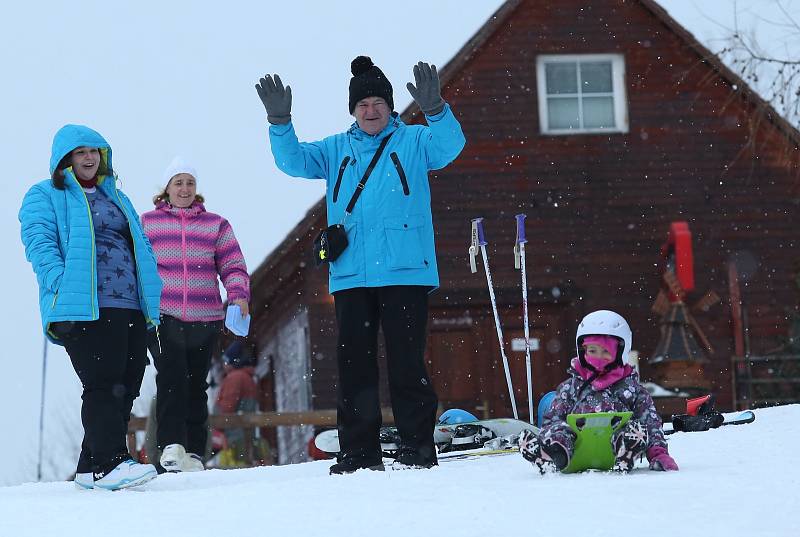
332, 241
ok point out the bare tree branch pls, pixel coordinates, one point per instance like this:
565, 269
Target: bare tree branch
776, 79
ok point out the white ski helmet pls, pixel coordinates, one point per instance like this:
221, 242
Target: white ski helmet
606, 323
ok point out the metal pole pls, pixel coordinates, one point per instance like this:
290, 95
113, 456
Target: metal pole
519, 262
41, 410
479, 240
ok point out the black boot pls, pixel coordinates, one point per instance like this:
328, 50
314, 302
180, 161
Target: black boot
412, 458
348, 465
470, 436
701, 422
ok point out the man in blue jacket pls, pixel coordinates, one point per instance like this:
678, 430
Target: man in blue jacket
384, 275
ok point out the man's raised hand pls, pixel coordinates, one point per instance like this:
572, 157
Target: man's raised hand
277, 99
427, 92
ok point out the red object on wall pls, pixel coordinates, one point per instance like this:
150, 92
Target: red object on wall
677, 253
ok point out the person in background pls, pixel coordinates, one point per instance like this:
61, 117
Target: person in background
238, 393
99, 292
195, 249
384, 275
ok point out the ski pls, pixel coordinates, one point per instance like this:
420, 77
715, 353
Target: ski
328, 441
589, 434
496, 434
741, 417
454, 434
475, 454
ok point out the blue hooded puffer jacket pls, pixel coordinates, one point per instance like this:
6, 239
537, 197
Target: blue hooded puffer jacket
390, 232
58, 235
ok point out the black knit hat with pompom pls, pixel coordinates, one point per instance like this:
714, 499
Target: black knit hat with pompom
368, 81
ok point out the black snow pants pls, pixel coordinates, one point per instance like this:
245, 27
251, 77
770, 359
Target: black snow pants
109, 355
402, 313
181, 382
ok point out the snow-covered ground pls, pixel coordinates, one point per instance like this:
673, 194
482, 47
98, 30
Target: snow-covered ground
736, 480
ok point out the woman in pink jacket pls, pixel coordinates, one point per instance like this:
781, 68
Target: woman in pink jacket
193, 248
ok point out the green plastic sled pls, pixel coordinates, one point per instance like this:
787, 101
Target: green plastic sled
593, 446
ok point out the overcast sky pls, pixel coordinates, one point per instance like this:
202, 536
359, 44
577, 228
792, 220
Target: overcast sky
159, 78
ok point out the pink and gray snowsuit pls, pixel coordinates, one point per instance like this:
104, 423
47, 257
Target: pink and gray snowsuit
617, 390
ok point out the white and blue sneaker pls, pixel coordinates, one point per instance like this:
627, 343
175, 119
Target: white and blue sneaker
126, 474
84, 481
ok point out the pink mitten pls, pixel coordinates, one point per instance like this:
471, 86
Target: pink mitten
660, 460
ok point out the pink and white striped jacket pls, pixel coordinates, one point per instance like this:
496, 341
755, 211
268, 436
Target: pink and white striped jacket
193, 246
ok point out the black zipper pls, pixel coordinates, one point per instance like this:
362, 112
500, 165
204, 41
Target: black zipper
339, 178
401, 172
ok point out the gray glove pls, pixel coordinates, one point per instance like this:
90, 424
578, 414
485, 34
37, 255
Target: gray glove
427, 92
277, 99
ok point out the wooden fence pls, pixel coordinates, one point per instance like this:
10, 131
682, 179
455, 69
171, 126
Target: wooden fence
254, 420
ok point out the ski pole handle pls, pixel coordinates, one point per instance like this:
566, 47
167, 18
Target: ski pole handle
477, 227
520, 240
521, 228
476, 240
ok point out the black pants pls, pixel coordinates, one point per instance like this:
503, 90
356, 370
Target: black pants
402, 312
181, 398
109, 355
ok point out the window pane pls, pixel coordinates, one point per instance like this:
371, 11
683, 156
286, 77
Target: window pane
563, 114
562, 77
598, 112
596, 77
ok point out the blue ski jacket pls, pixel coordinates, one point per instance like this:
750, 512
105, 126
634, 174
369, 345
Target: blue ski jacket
58, 235
390, 232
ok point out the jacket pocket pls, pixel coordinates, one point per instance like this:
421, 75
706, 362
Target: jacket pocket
351, 259
401, 172
404, 242
338, 184
62, 329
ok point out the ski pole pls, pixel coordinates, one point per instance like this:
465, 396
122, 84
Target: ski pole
519, 263
41, 412
478, 240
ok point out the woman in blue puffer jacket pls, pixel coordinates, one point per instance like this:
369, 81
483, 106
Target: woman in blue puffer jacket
99, 292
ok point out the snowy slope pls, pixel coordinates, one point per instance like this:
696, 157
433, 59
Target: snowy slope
733, 481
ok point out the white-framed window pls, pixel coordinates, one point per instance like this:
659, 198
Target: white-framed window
581, 93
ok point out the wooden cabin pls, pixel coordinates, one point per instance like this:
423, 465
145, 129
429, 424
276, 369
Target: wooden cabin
604, 122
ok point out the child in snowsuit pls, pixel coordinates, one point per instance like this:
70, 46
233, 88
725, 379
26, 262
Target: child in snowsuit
600, 381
